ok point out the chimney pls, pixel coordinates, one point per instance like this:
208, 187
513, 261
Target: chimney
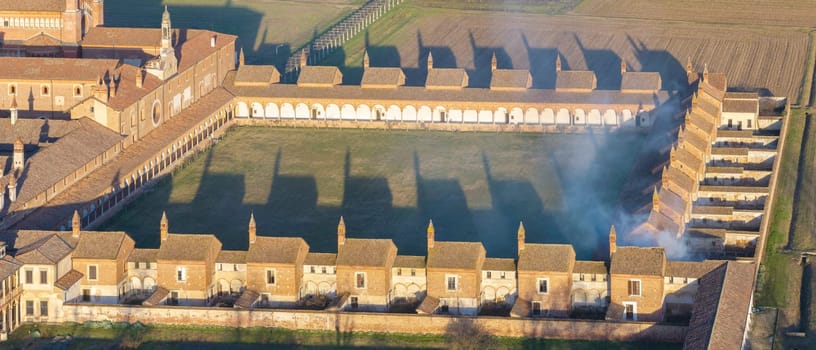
12, 186
705, 72
430, 60
557, 63
613, 241
303, 59
76, 225
623, 66
100, 91
522, 234
689, 67
163, 226
241, 57
431, 233
114, 85
252, 231
366, 61
212, 41
494, 63
673, 154
655, 200
139, 78
341, 233
2, 197
18, 161
13, 109
664, 180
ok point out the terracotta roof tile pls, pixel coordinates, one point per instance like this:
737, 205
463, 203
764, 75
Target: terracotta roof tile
410, 261
9, 266
428, 305
320, 259
382, 77
446, 78
34, 131
100, 245
672, 201
511, 79
691, 269
322, 76
456, 255
189, 247
127, 92
640, 81
367, 252
583, 80
740, 106
257, 75
65, 69
232, 257
143, 255
499, 264
638, 261
547, 257
712, 210
247, 298
68, 280
278, 250
33, 5
593, 267
157, 297
48, 250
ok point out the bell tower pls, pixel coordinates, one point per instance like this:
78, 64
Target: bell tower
167, 30
166, 65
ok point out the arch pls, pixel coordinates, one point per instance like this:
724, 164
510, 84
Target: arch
579, 296
236, 286
414, 290
272, 111
302, 111
332, 112
135, 283
347, 112
394, 113
311, 287
317, 111
504, 293
594, 297
531, 116
489, 293
580, 117
287, 111
594, 117
516, 115
379, 113
325, 287
440, 114
626, 118
223, 286
563, 117
149, 283
242, 111
455, 116
547, 116
470, 116
363, 112
400, 290
500, 116
257, 110
610, 117
486, 116
409, 114
425, 114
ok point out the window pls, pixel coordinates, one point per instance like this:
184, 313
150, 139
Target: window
360, 279
174, 298
323, 269
503, 275
489, 274
219, 267
543, 285
630, 311
749, 123
181, 274
452, 282
44, 308
312, 269
86, 295
536, 308
43, 276
594, 277
399, 272
44, 90
355, 302
29, 277
12, 89
634, 287
413, 272
270, 276
77, 91
265, 299
581, 277
92, 272
29, 308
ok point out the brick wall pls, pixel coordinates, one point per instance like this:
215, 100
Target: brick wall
376, 322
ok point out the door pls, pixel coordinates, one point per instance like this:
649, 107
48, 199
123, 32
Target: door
630, 312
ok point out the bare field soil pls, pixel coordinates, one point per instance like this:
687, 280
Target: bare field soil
269, 30
766, 12
752, 58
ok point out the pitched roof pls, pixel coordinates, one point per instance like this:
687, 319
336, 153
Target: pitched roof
247, 298
381, 77
323, 76
33, 5
691, 269
410, 261
48, 250
232, 257
69, 279
42, 39
367, 252
100, 245
593, 267
638, 261
158, 295
189, 247
143, 255
446, 78
511, 79
49, 68
456, 255
672, 201
277, 250
575, 80
9, 266
640, 81
127, 92
257, 75
546, 257
34, 131
325, 259
740, 105
499, 264
721, 308
428, 305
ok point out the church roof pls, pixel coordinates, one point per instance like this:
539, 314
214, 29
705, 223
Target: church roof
583, 80
33, 5
511, 79
638, 261
101, 245
189, 247
367, 252
446, 78
49, 68
277, 250
456, 255
319, 76
382, 77
257, 75
546, 257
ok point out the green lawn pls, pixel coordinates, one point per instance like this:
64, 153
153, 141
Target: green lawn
475, 186
269, 30
106, 336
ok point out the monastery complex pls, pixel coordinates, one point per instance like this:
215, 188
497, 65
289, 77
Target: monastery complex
90, 114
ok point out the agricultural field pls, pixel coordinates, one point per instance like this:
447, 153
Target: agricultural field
388, 184
794, 13
752, 57
269, 30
